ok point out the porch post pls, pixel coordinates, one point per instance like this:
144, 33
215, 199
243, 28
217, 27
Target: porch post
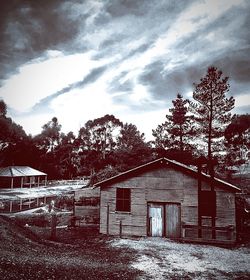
21, 182
211, 173
199, 206
12, 182
21, 202
38, 181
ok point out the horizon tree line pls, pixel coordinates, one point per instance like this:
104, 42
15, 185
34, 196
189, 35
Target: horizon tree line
201, 128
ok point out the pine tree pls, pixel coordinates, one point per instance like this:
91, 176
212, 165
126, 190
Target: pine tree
212, 108
237, 141
175, 133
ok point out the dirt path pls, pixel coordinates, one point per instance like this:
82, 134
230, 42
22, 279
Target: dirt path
163, 259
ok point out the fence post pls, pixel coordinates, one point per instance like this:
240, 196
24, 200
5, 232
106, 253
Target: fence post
120, 229
107, 219
53, 225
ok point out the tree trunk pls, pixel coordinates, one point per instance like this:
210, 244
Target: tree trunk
210, 127
181, 139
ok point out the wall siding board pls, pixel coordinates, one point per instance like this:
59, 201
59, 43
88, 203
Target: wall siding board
189, 215
164, 196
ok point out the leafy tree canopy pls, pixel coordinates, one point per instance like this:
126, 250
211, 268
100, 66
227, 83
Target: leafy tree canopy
49, 138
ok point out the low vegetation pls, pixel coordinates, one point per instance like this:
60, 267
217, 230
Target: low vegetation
27, 253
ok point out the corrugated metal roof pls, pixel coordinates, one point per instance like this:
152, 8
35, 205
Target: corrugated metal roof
38, 192
19, 171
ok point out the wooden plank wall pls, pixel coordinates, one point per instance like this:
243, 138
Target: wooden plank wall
161, 185
225, 213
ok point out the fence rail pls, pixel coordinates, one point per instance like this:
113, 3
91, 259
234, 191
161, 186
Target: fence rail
67, 182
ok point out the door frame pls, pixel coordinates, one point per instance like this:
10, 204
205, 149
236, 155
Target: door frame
163, 205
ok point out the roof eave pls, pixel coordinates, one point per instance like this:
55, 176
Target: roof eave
120, 176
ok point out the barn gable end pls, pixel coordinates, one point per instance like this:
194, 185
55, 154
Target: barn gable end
165, 200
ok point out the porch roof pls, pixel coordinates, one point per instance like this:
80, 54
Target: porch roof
20, 171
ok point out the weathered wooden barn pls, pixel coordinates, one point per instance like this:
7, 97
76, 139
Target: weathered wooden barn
168, 199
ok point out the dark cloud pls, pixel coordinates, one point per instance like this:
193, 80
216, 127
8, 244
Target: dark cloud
165, 86
235, 24
122, 8
141, 8
28, 28
135, 20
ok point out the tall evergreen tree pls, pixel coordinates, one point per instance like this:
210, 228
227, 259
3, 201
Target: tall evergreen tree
175, 133
130, 137
212, 108
237, 140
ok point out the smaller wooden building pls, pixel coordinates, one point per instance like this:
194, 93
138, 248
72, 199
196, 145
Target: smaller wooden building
168, 199
21, 177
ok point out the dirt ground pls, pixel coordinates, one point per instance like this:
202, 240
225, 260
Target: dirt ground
160, 258
76, 254
26, 253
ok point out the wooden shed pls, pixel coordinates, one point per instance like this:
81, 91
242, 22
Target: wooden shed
168, 199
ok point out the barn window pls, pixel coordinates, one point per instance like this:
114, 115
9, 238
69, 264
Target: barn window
123, 199
208, 203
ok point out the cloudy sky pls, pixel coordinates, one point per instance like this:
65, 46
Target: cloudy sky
79, 60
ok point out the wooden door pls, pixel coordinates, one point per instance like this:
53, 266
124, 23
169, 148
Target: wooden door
173, 220
156, 220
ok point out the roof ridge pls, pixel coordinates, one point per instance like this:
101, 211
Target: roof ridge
174, 162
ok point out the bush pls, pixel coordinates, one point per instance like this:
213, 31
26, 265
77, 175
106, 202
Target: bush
41, 220
65, 202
